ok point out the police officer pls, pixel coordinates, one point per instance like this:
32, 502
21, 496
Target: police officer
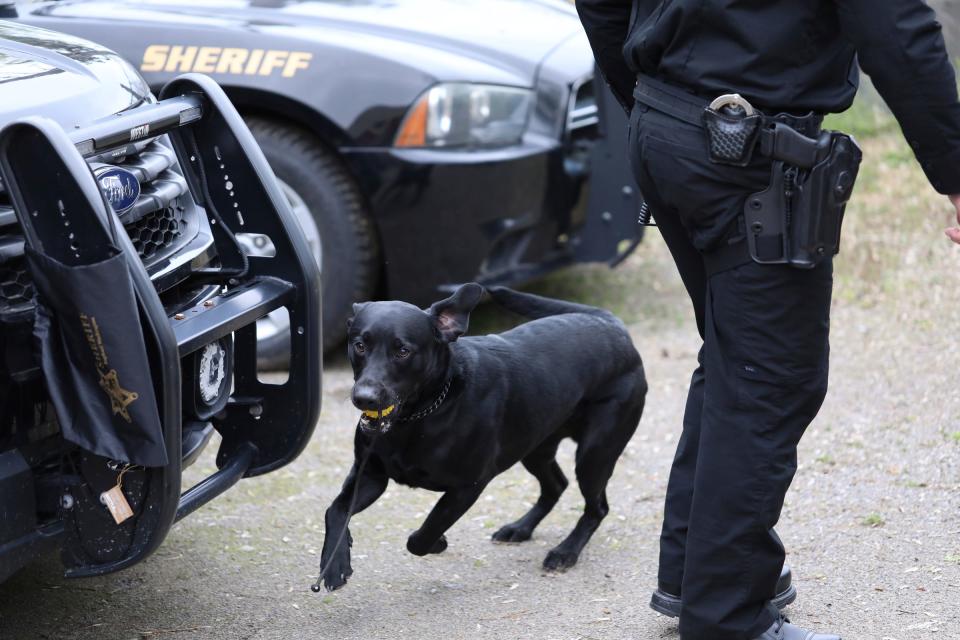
762, 371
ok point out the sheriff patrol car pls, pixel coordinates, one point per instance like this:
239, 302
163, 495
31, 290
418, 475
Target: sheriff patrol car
422, 143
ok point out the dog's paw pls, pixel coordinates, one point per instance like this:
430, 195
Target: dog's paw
336, 573
512, 533
419, 547
440, 545
560, 560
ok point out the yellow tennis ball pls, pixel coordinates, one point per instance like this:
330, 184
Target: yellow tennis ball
380, 414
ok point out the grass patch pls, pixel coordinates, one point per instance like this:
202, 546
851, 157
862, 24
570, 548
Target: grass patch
644, 289
873, 520
892, 248
865, 119
893, 245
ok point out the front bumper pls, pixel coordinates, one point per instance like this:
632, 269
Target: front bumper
447, 217
507, 215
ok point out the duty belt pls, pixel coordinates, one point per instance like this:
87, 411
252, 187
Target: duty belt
792, 139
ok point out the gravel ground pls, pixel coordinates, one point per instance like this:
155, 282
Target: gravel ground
872, 523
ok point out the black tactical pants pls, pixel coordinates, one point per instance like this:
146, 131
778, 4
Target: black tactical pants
761, 380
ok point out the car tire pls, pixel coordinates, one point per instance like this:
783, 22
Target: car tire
348, 244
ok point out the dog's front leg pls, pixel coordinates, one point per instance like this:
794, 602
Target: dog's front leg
452, 505
335, 559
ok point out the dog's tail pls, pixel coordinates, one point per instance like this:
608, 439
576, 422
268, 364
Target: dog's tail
532, 306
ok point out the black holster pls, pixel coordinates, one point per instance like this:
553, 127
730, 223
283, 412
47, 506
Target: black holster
797, 219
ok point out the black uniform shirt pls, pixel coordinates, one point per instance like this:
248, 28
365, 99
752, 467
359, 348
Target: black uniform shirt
792, 55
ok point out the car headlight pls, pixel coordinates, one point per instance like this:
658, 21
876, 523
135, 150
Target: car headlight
458, 115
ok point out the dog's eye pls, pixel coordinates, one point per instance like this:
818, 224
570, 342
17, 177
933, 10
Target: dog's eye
402, 353
359, 347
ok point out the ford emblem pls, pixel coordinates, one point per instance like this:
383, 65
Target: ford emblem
120, 187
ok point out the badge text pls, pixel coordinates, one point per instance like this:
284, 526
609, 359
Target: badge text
230, 60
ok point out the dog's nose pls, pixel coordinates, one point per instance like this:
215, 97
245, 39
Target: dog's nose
366, 397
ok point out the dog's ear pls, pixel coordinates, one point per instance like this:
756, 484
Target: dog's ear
452, 316
357, 308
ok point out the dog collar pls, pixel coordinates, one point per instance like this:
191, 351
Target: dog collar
423, 413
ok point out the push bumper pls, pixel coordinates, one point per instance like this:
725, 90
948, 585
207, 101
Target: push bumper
263, 426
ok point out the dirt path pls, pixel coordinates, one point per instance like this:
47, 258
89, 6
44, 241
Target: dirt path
871, 524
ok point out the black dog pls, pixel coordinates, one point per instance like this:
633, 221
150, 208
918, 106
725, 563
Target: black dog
449, 415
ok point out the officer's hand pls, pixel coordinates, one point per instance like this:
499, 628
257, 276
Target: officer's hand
954, 232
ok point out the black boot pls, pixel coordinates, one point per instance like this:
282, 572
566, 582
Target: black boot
670, 605
783, 630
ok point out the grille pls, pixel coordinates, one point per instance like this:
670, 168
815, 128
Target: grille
16, 288
157, 223
157, 231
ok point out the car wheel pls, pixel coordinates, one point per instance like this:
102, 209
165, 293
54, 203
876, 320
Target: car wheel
330, 210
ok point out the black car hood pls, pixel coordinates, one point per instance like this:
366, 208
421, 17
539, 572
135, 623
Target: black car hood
509, 34
68, 79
